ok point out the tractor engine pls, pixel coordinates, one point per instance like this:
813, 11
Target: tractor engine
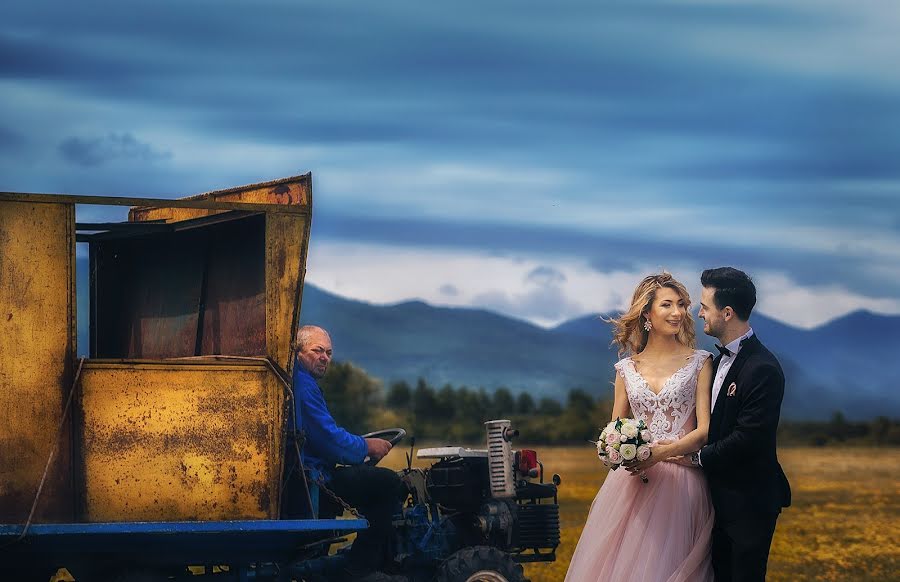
496, 497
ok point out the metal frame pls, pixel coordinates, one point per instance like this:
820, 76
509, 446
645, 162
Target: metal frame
152, 202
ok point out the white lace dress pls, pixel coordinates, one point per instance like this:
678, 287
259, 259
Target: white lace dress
657, 531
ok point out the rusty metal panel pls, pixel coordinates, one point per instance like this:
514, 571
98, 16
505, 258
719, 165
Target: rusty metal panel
147, 292
295, 190
189, 440
287, 238
37, 335
196, 291
233, 308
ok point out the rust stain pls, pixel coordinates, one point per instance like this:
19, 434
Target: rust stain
35, 348
178, 442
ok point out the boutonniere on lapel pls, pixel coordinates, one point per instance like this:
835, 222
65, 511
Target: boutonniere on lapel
732, 388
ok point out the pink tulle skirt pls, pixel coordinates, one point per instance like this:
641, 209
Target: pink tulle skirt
654, 532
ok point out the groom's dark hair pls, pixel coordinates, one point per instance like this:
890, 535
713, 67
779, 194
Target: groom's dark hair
733, 288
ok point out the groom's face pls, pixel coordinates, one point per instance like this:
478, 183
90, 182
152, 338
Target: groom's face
713, 319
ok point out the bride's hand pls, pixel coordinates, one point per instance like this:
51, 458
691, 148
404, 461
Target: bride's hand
659, 451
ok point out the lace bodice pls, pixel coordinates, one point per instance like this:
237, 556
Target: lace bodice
671, 414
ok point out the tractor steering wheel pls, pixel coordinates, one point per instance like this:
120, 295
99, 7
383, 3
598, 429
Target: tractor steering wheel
391, 435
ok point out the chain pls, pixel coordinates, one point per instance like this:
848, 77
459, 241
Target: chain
336, 498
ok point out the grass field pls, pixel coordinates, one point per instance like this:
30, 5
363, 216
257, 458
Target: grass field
844, 523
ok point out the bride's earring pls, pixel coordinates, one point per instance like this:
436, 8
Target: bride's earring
647, 325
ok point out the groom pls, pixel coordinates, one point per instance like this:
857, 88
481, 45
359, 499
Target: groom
746, 482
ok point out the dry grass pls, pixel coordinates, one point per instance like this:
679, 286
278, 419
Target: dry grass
844, 523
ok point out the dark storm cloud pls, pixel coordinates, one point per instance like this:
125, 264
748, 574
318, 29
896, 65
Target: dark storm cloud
747, 111
606, 252
98, 150
403, 72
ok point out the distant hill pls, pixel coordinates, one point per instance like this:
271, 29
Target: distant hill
469, 347
838, 366
849, 364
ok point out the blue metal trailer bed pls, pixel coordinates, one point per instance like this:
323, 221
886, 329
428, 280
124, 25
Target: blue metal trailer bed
91, 547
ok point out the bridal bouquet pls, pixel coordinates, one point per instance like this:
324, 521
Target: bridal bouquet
624, 440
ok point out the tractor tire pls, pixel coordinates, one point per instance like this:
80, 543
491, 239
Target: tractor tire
481, 564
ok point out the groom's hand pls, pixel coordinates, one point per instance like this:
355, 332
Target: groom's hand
659, 451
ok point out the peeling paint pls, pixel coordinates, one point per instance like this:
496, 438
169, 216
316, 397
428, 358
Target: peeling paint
171, 441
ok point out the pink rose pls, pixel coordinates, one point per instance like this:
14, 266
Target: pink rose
612, 437
643, 453
613, 455
646, 436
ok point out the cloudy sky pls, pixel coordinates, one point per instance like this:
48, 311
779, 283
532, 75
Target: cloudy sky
533, 158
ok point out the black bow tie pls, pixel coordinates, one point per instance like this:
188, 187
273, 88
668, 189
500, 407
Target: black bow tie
723, 351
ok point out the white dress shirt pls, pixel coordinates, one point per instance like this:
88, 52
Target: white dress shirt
725, 364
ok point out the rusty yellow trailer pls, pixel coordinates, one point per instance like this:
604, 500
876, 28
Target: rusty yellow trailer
165, 446
177, 416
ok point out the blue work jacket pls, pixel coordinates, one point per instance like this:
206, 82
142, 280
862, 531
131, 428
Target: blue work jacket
326, 443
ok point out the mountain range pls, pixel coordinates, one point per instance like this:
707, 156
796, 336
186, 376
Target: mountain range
851, 364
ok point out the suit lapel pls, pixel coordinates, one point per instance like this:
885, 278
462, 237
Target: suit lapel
748, 346
716, 413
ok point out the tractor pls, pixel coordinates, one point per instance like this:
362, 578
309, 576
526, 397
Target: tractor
472, 515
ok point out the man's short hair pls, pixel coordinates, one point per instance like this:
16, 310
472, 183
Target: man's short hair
304, 333
733, 288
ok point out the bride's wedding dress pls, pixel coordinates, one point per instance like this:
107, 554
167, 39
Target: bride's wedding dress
660, 530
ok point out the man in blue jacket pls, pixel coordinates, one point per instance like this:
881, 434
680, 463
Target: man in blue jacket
375, 491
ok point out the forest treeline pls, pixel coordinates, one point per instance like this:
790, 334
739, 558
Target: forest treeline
456, 414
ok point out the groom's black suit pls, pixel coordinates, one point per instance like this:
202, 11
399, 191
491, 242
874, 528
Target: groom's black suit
746, 482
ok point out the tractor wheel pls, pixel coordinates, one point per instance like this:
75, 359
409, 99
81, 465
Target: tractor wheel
481, 564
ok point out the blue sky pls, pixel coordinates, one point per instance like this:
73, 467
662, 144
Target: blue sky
529, 157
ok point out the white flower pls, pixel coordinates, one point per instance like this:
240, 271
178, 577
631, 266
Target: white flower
643, 453
629, 430
646, 436
611, 427
623, 438
628, 452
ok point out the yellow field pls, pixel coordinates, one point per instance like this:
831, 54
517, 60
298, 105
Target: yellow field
844, 523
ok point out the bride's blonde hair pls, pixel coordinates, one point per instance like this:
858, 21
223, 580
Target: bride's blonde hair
628, 329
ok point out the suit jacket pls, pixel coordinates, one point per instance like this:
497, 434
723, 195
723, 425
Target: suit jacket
739, 459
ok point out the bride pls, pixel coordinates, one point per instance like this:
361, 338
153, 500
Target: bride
659, 530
